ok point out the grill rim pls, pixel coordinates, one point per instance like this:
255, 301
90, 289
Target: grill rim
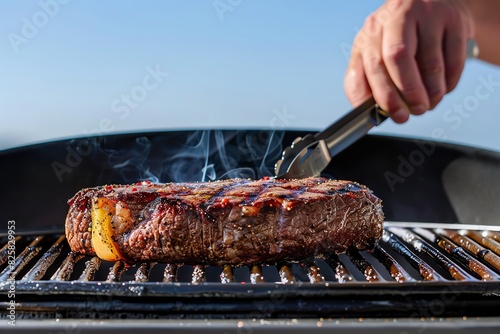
195, 326
261, 290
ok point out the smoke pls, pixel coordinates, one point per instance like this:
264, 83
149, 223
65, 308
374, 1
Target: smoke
132, 162
204, 155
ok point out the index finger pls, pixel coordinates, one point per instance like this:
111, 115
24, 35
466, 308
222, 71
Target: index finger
399, 47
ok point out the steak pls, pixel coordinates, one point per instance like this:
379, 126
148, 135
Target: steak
235, 222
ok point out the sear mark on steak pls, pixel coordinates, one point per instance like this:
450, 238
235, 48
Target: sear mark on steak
236, 222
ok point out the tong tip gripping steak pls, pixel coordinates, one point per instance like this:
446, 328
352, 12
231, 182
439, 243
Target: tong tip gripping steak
235, 222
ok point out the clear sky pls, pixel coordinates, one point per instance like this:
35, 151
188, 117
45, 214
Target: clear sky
70, 67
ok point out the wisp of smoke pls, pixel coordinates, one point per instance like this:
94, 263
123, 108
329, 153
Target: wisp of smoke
204, 155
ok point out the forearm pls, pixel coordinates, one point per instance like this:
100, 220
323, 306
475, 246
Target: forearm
486, 17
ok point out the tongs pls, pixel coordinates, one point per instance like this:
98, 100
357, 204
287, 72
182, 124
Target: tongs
309, 156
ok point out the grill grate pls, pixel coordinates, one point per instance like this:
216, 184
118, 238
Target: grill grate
412, 259
440, 253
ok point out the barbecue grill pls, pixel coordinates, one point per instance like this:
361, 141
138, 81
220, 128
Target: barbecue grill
437, 267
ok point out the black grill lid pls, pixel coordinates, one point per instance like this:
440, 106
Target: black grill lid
411, 190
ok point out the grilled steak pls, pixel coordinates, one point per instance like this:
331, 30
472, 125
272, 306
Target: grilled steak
234, 222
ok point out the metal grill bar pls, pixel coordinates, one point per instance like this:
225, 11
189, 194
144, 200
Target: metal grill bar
341, 273
487, 242
4, 251
313, 272
459, 254
64, 272
40, 268
285, 272
370, 273
492, 234
22, 259
116, 271
170, 272
142, 274
425, 270
91, 268
256, 275
391, 265
421, 246
227, 275
473, 247
198, 274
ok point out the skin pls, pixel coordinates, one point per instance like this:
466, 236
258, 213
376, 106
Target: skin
410, 53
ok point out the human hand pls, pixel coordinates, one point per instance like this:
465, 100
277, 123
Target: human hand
408, 55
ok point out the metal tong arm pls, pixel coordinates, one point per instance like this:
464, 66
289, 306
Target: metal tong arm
352, 126
308, 156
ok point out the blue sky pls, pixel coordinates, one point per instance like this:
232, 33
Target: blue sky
73, 67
